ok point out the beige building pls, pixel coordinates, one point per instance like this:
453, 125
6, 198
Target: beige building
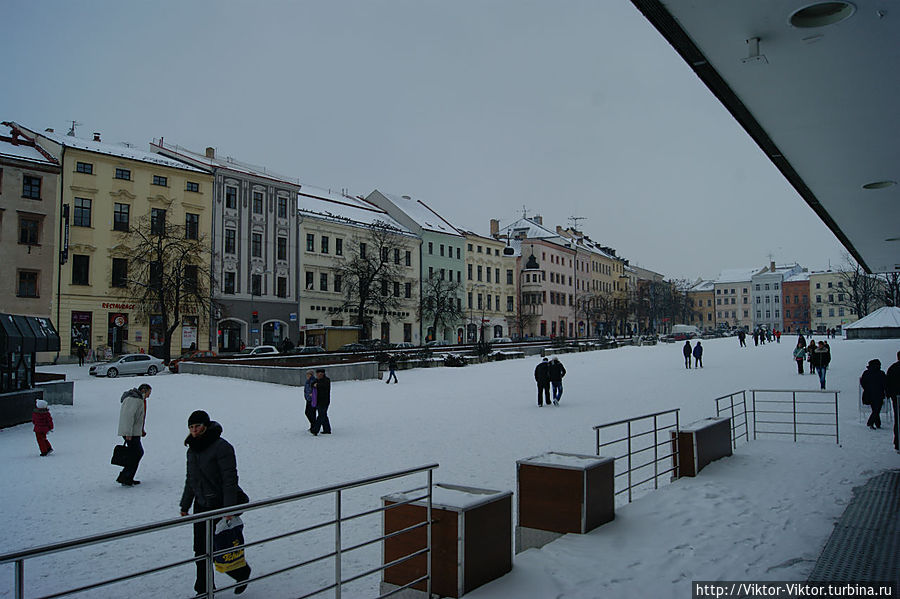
828, 307
490, 284
335, 228
701, 298
733, 295
29, 176
104, 190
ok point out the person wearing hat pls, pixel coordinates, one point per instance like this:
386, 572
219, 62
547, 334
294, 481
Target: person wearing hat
874, 383
43, 424
132, 417
542, 378
211, 483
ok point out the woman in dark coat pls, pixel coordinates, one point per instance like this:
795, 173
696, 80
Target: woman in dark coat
873, 382
211, 483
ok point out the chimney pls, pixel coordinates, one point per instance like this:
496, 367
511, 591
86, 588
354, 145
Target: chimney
538, 219
495, 228
560, 230
96, 136
210, 152
772, 266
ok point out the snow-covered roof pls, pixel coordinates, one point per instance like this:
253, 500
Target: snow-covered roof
215, 162
325, 204
882, 318
737, 275
422, 214
798, 277
703, 286
119, 150
21, 149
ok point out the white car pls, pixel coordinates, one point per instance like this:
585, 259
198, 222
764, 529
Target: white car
257, 350
501, 340
128, 364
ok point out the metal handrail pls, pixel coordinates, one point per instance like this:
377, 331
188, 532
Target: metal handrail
794, 413
19, 557
735, 425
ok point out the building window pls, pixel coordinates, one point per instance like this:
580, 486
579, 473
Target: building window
282, 248
192, 186
324, 244
479, 272
310, 286
257, 202
27, 284
80, 267
488, 273
338, 281
818, 313
408, 259
396, 288
162, 181
442, 250
323, 281
430, 248
28, 230
157, 221
282, 207
281, 287
509, 276
396, 256
229, 283
407, 290
339, 247
123, 173
840, 311
119, 272
256, 245
82, 215
191, 278
31, 187
121, 217
469, 273
255, 285
830, 311
457, 253
310, 242
230, 241
362, 250
509, 303
191, 226
384, 287
84, 167
231, 197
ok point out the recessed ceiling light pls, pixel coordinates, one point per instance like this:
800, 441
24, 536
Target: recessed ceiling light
893, 239
879, 184
821, 14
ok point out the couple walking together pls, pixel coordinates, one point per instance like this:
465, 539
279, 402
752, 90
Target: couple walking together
547, 373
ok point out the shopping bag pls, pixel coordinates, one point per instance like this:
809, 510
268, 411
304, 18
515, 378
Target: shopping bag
229, 534
119, 456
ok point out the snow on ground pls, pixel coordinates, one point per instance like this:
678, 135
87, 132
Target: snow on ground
764, 513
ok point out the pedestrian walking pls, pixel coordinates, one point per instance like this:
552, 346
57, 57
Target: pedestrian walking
309, 395
755, 338
43, 424
392, 368
542, 378
81, 350
809, 354
800, 355
686, 350
132, 419
698, 355
322, 386
742, 339
777, 336
556, 372
874, 382
821, 359
211, 483
893, 391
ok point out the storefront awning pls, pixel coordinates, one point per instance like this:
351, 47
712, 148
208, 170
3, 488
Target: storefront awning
27, 334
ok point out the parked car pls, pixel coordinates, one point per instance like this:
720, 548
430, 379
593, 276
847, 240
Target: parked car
501, 340
353, 347
306, 349
258, 350
404, 345
128, 364
375, 344
438, 343
173, 365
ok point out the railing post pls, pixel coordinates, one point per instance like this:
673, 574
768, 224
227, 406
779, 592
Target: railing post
794, 402
655, 454
210, 548
837, 434
753, 397
629, 460
428, 535
597, 430
677, 432
20, 579
746, 432
337, 544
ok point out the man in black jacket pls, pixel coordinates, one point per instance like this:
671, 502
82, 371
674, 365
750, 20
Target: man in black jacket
557, 372
323, 400
893, 389
211, 483
542, 378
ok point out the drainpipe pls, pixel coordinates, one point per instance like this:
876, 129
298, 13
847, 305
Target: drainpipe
62, 174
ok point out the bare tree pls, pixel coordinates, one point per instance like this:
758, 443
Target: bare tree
165, 271
440, 303
861, 291
373, 266
890, 290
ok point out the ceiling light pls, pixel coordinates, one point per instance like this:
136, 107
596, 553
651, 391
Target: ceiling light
893, 239
821, 14
879, 184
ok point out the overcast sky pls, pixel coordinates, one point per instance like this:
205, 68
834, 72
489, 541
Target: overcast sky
481, 108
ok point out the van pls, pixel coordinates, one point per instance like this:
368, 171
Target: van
686, 329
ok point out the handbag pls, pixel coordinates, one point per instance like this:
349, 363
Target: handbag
229, 534
119, 456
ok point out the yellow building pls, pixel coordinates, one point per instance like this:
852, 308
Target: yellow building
829, 301
104, 190
490, 282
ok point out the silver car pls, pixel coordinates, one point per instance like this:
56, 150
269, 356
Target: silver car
128, 364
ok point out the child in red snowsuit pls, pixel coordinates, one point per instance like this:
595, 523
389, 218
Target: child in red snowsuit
43, 424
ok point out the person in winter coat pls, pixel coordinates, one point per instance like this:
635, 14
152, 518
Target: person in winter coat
800, 355
211, 482
755, 337
43, 424
132, 416
686, 350
323, 400
556, 371
742, 339
698, 355
392, 368
542, 378
809, 355
821, 358
873, 382
82, 352
893, 391
309, 394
